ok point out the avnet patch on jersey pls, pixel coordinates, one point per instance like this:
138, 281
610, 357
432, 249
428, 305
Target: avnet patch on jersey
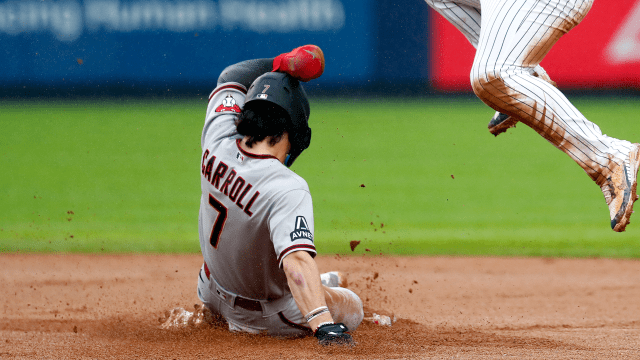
302, 230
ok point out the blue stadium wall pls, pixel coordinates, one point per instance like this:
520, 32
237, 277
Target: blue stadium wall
178, 47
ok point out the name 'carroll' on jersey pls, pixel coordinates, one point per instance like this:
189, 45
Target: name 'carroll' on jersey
247, 187
236, 192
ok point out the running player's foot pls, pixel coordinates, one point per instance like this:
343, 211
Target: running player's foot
500, 123
334, 279
620, 190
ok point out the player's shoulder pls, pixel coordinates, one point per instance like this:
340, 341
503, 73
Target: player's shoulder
225, 104
298, 181
288, 180
229, 87
227, 98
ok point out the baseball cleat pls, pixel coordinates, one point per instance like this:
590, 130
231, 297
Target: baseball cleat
500, 123
620, 190
334, 279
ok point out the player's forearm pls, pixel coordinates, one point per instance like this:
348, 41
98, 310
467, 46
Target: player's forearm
304, 282
303, 63
245, 72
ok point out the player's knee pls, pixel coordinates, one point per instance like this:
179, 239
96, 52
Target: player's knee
488, 85
482, 83
358, 312
352, 309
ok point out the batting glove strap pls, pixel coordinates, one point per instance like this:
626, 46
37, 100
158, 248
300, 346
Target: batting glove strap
333, 334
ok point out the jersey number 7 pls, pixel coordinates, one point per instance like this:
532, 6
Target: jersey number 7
221, 219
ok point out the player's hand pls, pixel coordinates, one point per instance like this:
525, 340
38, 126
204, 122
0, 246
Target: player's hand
333, 334
303, 63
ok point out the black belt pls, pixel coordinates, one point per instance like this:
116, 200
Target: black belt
247, 304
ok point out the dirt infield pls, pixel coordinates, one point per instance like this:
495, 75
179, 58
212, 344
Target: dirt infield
84, 306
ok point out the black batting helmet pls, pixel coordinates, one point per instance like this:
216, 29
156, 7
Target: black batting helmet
287, 92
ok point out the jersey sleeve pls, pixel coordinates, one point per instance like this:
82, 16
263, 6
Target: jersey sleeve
225, 103
291, 224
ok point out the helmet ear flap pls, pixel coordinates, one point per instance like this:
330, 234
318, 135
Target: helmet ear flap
300, 141
303, 138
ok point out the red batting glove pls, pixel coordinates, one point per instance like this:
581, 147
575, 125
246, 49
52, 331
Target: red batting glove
304, 63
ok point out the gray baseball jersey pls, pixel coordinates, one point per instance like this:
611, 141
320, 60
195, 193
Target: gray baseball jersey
254, 211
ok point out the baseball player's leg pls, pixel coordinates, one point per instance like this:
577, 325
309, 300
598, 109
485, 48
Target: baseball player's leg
465, 15
236, 319
500, 122
278, 318
206, 296
281, 317
345, 306
334, 279
515, 37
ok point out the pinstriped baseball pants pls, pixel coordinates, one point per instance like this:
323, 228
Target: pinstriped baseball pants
511, 39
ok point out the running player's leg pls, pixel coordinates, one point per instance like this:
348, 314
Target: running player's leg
515, 37
344, 305
465, 15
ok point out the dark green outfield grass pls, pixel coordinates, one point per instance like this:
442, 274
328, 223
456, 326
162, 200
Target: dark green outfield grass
123, 176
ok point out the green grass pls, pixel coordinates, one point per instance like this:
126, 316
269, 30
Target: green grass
432, 174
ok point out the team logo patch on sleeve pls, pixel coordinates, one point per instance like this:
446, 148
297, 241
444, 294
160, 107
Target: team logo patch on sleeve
302, 230
228, 104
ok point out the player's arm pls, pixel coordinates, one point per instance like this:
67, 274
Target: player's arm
303, 278
227, 99
303, 63
245, 72
291, 227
